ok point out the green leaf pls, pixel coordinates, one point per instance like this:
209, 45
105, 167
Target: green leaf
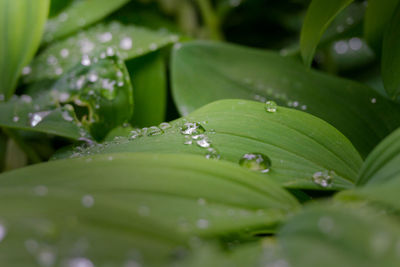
21, 27
148, 76
331, 236
298, 144
78, 14
383, 163
391, 56
131, 41
141, 203
319, 15
215, 71
95, 97
374, 28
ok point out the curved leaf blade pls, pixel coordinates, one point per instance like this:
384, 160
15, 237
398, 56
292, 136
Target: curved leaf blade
383, 163
319, 15
374, 28
21, 29
130, 41
231, 71
298, 144
78, 14
150, 202
391, 56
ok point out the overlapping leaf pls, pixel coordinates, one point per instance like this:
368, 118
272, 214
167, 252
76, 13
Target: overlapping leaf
319, 15
141, 203
299, 145
21, 27
215, 71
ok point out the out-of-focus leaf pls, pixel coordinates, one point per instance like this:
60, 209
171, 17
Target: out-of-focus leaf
331, 236
78, 14
141, 203
95, 96
391, 56
377, 18
3, 147
21, 28
148, 76
319, 15
215, 71
301, 147
131, 41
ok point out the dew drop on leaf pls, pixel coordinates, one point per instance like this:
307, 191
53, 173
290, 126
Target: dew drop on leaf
192, 128
154, 130
256, 162
271, 106
37, 117
80, 262
323, 178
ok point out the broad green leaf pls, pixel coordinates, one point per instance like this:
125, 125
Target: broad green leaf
319, 15
391, 56
383, 163
109, 209
95, 96
215, 71
377, 18
131, 41
79, 13
21, 28
331, 236
299, 145
148, 76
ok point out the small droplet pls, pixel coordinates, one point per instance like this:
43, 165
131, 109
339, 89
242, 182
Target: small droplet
26, 70
85, 60
201, 201
126, 43
46, 258
3, 231
110, 51
135, 134
271, 106
202, 224
154, 130
341, 47
256, 162
80, 262
204, 142
105, 37
93, 77
87, 201
37, 117
373, 100
64, 53
212, 153
192, 128
165, 125
355, 43
153, 46
323, 178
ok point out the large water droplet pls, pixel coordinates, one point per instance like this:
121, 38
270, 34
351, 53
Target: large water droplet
37, 117
323, 178
256, 162
271, 106
192, 128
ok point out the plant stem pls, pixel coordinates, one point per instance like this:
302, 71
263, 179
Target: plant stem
30, 152
210, 19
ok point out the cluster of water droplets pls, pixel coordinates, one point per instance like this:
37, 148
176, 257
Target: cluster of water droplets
62, 56
195, 133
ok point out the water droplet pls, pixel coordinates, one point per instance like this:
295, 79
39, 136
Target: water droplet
46, 258
126, 43
3, 231
80, 262
212, 153
165, 125
37, 117
177, 46
26, 98
135, 134
202, 224
93, 77
52, 60
341, 47
154, 130
87, 201
325, 224
355, 43
105, 37
40, 190
64, 53
110, 51
26, 70
271, 106
373, 100
153, 46
2, 97
204, 142
85, 60
192, 128
323, 178
256, 162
